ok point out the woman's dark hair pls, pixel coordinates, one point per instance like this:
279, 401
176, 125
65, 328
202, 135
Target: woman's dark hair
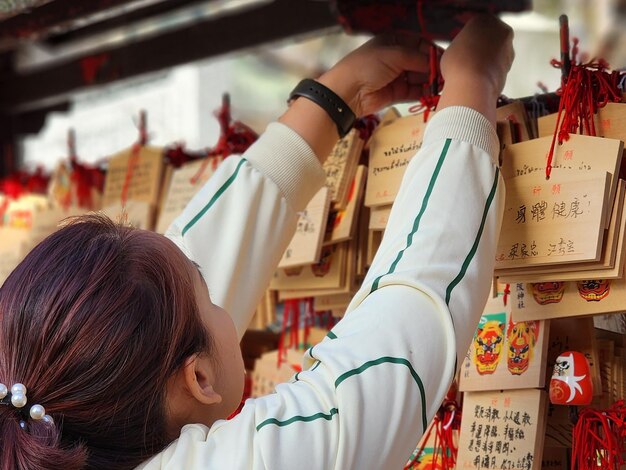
94, 322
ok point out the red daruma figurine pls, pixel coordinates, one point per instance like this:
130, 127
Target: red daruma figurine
571, 380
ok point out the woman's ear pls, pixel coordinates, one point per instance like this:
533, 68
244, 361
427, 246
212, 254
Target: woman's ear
199, 376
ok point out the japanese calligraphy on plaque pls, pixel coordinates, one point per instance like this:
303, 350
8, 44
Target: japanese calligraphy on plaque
580, 155
306, 244
141, 176
546, 222
502, 430
340, 166
185, 183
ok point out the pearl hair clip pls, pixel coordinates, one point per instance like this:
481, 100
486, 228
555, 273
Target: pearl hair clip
17, 398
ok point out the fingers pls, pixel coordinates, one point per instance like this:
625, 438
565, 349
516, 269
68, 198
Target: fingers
405, 88
400, 51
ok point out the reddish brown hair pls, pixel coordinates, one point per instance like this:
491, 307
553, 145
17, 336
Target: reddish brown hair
95, 321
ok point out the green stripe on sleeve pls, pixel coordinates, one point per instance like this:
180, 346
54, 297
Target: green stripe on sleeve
215, 197
472, 252
418, 218
305, 419
390, 360
331, 335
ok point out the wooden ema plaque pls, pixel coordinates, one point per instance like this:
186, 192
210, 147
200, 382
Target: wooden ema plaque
552, 222
379, 216
306, 244
11, 250
347, 281
610, 266
340, 166
144, 181
580, 155
137, 214
391, 149
185, 183
515, 113
505, 354
547, 300
344, 222
502, 430
610, 122
327, 274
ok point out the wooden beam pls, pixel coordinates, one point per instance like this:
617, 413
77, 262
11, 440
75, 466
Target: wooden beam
35, 23
268, 22
149, 11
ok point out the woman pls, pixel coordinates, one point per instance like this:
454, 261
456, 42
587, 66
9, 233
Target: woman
122, 342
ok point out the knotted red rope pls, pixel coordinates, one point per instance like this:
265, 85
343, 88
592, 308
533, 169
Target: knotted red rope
598, 438
588, 87
135, 153
430, 98
446, 422
235, 137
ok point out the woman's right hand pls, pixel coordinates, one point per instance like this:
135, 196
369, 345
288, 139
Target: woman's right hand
476, 64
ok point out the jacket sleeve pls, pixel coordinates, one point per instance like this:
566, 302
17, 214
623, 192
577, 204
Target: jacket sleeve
370, 387
239, 224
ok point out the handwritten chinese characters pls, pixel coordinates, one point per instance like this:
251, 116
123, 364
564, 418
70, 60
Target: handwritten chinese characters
340, 167
502, 430
143, 178
547, 222
581, 155
185, 183
306, 243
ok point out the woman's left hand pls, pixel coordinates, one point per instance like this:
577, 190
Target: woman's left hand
385, 70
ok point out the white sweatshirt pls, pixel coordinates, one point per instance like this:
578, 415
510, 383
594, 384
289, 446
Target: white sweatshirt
368, 390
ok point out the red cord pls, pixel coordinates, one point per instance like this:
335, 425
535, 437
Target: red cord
588, 87
598, 438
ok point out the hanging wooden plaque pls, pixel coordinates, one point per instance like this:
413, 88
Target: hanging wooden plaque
547, 300
345, 221
391, 149
379, 216
306, 244
505, 354
340, 166
610, 122
580, 154
185, 182
327, 274
137, 214
144, 178
515, 113
552, 222
610, 266
502, 430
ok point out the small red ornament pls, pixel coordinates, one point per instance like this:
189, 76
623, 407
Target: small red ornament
571, 380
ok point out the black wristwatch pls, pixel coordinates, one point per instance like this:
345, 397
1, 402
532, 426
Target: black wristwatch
324, 97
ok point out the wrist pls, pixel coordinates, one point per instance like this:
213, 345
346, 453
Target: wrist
471, 91
347, 91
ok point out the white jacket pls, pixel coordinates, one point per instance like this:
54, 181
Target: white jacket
368, 390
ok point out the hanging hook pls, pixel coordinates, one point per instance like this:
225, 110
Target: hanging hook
565, 48
71, 144
142, 126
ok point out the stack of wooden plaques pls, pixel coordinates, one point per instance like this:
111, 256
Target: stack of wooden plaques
323, 260
562, 243
24, 222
